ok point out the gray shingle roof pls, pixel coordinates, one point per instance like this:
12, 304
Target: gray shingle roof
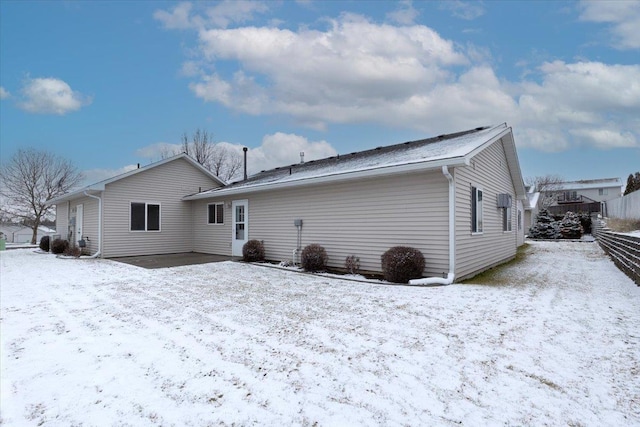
424, 151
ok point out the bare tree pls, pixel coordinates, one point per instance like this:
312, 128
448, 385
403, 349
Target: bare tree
225, 163
31, 178
548, 186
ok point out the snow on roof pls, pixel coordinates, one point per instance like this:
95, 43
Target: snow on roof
441, 148
586, 184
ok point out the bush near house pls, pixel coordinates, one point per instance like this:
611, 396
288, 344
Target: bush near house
44, 243
570, 226
73, 251
352, 264
545, 227
58, 246
314, 258
401, 264
253, 251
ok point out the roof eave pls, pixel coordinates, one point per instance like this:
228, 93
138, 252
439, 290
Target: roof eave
75, 194
342, 176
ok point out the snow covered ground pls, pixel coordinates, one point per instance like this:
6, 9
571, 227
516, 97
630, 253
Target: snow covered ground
95, 342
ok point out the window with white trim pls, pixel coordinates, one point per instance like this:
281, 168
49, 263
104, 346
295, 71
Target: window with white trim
603, 191
145, 216
506, 219
215, 213
476, 210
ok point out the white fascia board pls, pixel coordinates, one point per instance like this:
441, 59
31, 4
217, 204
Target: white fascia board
342, 176
75, 194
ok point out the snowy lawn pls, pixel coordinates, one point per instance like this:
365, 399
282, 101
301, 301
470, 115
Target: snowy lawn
95, 342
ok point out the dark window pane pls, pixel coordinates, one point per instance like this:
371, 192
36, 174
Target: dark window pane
473, 210
212, 214
137, 216
153, 217
220, 214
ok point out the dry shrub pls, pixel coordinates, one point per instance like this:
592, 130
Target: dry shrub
253, 251
314, 258
401, 264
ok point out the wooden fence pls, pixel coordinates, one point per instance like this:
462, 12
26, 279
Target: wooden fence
623, 249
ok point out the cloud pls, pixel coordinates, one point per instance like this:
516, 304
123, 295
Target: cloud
278, 149
281, 149
50, 96
406, 14
221, 15
159, 150
276, 66
467, 10
624, 16
579, 102
4, 94
93, 176
358, 71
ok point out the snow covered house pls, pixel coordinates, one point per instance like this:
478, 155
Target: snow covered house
579, 196
458, 198
140, 212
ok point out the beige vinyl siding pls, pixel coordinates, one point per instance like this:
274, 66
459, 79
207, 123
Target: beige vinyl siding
211, 238
166, 185
362, 218
477, 252
89, 223
62, 220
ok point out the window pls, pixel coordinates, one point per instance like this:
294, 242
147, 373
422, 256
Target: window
603, 191
506, 219
476, 210
215, 213
145, 216
519, 220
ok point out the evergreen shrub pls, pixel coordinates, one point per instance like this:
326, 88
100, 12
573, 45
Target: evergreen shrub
44, 243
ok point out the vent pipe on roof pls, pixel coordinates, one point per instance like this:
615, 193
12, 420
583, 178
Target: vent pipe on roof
245, 149
301, 157
138, 165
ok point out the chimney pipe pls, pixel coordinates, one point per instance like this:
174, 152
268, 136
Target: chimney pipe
301, 157
245, 149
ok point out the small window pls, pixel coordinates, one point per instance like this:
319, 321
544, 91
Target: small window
215, 213
145, 216
476, 210
519, 220
603, 191
506, 219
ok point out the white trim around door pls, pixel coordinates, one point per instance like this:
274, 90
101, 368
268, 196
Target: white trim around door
239, 226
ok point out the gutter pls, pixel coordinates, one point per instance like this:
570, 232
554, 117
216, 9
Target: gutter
452, 238
99, 253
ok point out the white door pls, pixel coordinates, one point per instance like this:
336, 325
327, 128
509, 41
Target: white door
78, 230
240, 224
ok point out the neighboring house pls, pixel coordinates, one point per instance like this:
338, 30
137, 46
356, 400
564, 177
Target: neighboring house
532, 208
140, 212
580, 196
17, 233
457, 198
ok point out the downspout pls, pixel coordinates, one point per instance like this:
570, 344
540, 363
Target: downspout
97, 254
452, 239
